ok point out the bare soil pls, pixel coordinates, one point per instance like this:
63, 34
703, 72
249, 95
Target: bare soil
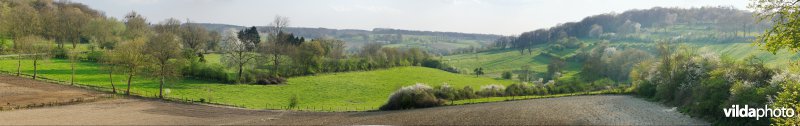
577, 110
18, 92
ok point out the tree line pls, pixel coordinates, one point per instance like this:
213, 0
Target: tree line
173, 49
720, 19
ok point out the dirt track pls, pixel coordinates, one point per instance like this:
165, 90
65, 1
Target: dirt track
578, 110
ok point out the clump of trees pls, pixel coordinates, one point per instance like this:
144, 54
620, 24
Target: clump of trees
604, 61
42, 29
704, 83
626, 25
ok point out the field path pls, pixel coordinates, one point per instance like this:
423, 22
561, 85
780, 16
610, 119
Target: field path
576, 110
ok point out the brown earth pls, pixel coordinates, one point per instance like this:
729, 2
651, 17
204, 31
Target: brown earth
576, 110
17, 92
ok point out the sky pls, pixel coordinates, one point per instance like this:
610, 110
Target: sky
503, 17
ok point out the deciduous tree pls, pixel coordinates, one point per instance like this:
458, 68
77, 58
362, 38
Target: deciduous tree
785, 17
165, 50
35, 48
237, 53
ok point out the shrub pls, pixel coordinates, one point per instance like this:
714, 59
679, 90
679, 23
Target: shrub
94, 56
213, 72
293, 102
710, 95
788, 98
516, 90
270, 80
491, 90
466, 93
415, 96
446, 92
507, 75
60, 53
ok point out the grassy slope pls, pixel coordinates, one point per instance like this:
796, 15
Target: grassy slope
498, 61
740, 51
361, 90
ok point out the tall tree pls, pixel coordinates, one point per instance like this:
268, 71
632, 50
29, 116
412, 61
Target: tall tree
277, 45
308, 57
22, 21
237, 53
165, 49
105, 32
131, 52
214, 38
249, 35
131, 56
72, 21
194, 39
136, 26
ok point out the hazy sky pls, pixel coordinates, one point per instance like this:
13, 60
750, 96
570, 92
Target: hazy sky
506, 17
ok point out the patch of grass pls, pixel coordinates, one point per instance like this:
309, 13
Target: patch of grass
349, 91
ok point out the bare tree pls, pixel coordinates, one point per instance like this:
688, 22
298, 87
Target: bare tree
194, 38
237, 53
276, 47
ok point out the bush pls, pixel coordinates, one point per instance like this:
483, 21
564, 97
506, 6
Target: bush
271, 80
788, 98
59, 53
516, 90
94, 56
466, 93
507, 75
492, 90
446, 92
213, 72
415, 96
710, 95
293, 102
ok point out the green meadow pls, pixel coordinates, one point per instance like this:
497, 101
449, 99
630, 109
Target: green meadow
348, 91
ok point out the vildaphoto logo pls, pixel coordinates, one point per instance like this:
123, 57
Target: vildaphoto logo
746, 111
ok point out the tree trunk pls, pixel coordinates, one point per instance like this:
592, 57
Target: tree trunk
19, 63
161, 85
72, 77
130, 76
111, 79
34, 68
239, 76
276, 63
161, 88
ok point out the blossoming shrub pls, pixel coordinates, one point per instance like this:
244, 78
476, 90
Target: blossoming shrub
415, 96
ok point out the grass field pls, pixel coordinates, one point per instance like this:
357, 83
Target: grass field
346, 91
740, 51
498, 61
